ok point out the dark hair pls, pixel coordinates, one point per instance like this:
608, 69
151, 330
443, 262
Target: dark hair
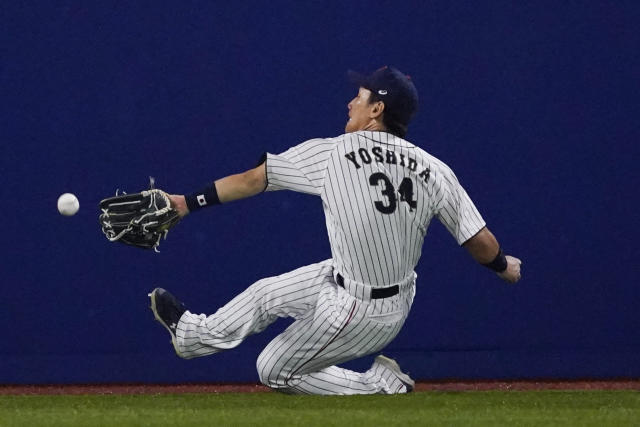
393, 125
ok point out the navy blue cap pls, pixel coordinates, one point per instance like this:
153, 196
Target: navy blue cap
394, 88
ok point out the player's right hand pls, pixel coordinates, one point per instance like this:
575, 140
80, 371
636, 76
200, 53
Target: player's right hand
179, 203
512, 273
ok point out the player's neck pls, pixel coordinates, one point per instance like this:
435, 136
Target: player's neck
374, 125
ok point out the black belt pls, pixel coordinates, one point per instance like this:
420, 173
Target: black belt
376, 293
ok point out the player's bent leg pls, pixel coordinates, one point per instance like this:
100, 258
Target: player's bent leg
291, 294
301, 360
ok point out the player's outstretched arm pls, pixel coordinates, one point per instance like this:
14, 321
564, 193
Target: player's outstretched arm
484, 248
227, 189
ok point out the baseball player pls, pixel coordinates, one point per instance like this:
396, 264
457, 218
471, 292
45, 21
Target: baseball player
379, 193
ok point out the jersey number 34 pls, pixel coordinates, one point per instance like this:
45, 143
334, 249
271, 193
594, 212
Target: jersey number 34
405, 190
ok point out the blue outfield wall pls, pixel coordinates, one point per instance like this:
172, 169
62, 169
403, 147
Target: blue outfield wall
533, 106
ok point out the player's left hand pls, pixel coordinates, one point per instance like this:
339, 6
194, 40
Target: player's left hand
138, 219
512, 273
179, 203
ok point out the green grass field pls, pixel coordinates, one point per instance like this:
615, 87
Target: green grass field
571, 408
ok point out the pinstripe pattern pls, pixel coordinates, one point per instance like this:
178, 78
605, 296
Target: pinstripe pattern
367, 245
331, 327
379, 195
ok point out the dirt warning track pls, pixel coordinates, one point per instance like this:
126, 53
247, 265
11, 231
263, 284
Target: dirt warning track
622, 384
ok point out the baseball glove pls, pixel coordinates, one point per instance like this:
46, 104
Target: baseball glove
139, 219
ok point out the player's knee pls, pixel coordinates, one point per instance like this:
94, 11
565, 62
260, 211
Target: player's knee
268, 371
265, 368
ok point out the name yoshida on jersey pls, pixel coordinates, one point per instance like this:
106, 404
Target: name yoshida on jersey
379, 195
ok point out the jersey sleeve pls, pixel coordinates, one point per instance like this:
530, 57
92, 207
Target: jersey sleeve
457, 212
301, 168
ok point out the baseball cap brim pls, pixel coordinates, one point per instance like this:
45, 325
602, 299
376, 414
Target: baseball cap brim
358, 79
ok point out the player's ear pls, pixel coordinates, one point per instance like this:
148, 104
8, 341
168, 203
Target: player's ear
377, 110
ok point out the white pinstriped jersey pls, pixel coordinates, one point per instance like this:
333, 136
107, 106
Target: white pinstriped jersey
379, 194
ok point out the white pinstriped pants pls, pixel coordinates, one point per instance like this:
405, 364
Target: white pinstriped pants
331, 327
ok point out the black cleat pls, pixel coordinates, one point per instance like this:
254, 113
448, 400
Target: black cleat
393, 366
168, 311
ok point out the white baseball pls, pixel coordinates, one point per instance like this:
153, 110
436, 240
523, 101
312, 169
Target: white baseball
68, 204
